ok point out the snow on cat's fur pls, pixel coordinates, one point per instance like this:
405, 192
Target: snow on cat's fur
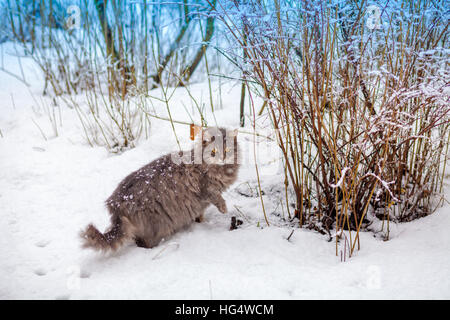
169, 193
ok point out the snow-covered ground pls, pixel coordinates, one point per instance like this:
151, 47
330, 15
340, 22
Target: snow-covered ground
51, 189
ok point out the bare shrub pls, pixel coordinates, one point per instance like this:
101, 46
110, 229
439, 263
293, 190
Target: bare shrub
112, 51
361, 114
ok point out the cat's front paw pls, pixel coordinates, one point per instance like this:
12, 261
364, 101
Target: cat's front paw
222, 207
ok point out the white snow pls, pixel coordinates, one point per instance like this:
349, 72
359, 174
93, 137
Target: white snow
51, 189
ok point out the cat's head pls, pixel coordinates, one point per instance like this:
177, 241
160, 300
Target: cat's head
219, 146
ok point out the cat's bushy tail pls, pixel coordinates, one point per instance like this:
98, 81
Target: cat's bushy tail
120, 231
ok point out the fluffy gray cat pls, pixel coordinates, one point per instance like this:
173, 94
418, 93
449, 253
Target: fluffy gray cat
169, 193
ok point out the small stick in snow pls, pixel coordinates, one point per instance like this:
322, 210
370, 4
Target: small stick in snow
177, 245
289, 238
210, 290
